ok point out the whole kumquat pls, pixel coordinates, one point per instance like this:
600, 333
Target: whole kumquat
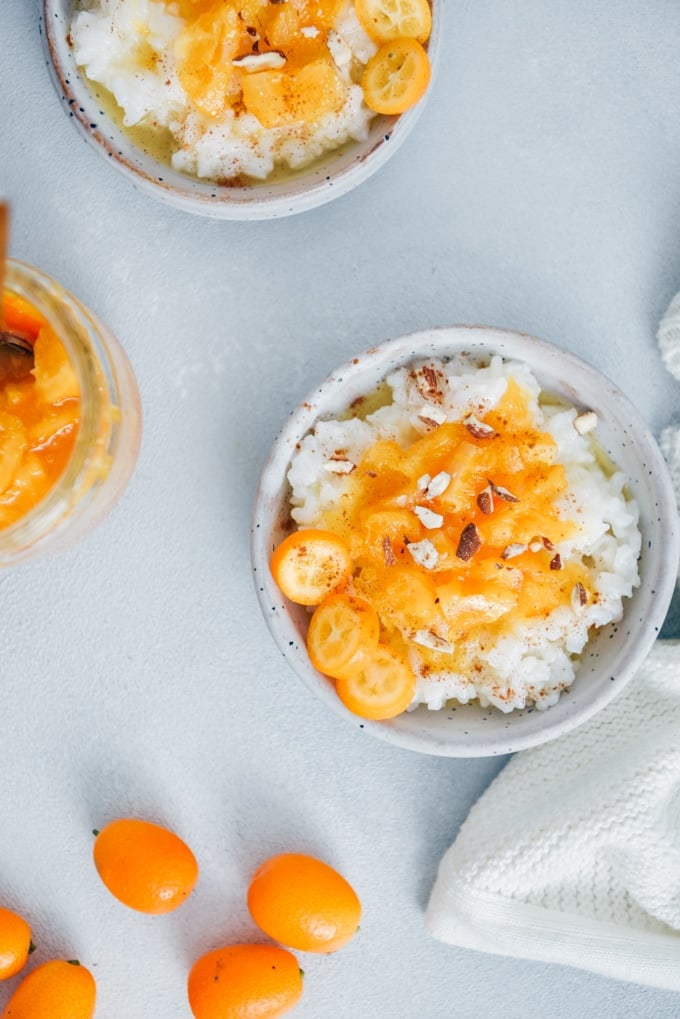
15, 943
303, 903
244, 982
55, 990
145, 866
310, 564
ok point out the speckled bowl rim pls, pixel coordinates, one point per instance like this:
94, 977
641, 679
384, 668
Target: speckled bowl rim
626, 643
331, 178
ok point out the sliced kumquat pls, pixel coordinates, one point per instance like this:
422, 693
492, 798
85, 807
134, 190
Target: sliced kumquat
380, 687
396, 78
310, 564
384, 20
342, 627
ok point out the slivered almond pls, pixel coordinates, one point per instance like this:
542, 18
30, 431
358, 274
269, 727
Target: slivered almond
424, 553
430, 382
432, 413
339, 49
485, 500
440, 482
432, 640
585, 422
478, 429
515, 548
428, 422
269, 60
468, 543
339, 465
502, 493
428, 517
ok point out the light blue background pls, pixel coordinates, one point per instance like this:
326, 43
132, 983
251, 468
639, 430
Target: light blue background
540, 191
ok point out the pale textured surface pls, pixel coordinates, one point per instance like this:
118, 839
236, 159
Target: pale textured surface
540, 192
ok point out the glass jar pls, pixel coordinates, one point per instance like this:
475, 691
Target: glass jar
109, 428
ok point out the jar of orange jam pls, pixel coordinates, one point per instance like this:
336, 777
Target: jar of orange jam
70, 418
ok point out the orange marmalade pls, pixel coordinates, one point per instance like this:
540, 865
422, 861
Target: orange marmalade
456, 535
39, 411
285, 63
271, 58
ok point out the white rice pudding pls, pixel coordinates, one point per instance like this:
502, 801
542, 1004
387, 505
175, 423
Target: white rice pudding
130, 48
510, 649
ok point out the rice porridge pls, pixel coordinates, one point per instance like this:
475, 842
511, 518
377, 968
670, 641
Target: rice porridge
227, 90
483, 524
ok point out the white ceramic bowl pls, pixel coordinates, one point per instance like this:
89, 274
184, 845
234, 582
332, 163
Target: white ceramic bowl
323, 181
613, 653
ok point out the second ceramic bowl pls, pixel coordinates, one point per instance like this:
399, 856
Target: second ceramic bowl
613, 652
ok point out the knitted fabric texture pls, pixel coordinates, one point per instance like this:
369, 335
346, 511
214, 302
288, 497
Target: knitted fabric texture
572, 855
668, 336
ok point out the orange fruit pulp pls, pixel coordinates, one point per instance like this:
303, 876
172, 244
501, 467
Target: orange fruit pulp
303, 903
145, 866
244, 982
219, 34
55, 990
39, 411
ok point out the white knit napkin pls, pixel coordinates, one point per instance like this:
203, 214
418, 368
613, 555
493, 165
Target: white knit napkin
669, 345
668, 336
572, 855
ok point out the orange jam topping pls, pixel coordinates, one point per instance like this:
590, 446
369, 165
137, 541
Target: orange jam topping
39, 411
453, 540
269, 59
